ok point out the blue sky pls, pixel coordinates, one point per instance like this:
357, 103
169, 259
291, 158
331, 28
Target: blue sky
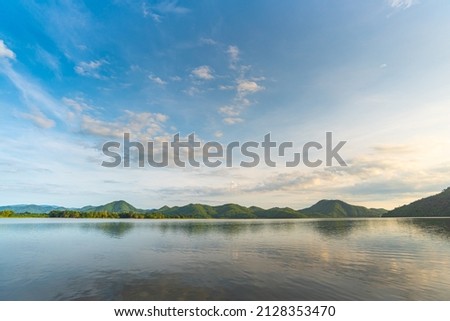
75, 74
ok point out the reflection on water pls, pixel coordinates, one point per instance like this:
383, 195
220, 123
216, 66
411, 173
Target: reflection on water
338, 228
111, 229
437, 226
354, 259
205, 227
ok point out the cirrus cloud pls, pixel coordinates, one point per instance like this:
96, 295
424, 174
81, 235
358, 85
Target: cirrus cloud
5, 51
402, 4
39, 119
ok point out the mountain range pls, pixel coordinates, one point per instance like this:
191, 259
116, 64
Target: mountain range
433, 206
324, 208
31, 208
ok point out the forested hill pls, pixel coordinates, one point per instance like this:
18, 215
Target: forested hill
337, 208
113, 207
30, 208
122, 209
434, 206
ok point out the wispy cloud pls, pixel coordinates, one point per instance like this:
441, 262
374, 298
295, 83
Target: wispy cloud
208, 41
229, 111
34, 96
143, 126
393, 149
5, 52
147, 12
233, 53
203, 72
243, 85
78, 105
368, 180
68, 23
90, 68
232, 120
171, 7
192, 91
39, 119
226, 87
158, 11
402, 4
49, 60
157, 80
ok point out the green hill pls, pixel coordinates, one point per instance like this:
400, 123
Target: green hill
30, 208
323, 209
340, 209
434, 206
233, 211
227, 211
188, 211
113, 207
280, 212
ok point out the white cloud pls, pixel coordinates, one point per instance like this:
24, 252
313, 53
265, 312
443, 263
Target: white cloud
208, 41
225, 87
161, 117
402, 4
233, 52
39, 119
141, 125
218, 134
171, 7
98, 127
244, 87
147, 12
157, 12
176, 78
203, 72
89, 69
77, 105
232, 120
157, 80
247, 86
230, 111
5, 51
260, 78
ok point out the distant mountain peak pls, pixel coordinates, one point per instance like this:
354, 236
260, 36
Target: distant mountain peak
120, 206
338, 208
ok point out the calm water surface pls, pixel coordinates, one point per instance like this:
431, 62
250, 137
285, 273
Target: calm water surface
366, 259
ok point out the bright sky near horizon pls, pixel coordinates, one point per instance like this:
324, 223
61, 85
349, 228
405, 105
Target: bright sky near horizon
75, 74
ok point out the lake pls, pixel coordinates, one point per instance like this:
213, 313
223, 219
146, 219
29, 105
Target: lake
307, 259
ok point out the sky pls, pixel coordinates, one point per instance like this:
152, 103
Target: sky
77, 74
